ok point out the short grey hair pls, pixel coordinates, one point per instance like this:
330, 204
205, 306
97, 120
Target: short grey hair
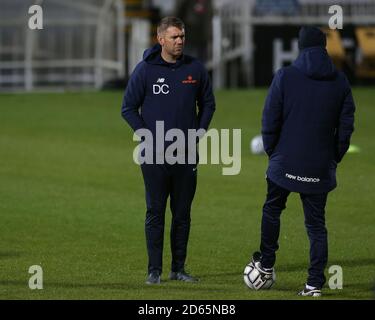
167, 22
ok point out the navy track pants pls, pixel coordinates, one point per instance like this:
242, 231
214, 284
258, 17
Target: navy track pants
314, 210
178, 182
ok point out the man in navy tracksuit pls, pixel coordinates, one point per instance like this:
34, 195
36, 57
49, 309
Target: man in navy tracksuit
174, 88
306, 127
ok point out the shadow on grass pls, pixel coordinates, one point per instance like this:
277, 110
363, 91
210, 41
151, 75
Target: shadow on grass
352, 290
287, 291
296, 267
166, 285
9, 254
360, 262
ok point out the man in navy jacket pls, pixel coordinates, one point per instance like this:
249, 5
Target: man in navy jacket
307, 124
175, 88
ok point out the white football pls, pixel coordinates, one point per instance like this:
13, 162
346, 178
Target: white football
257, 280
256, 145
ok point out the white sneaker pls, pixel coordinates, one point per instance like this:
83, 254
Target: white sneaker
310, 291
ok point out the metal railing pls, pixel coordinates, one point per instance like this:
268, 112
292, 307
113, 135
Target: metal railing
81, 44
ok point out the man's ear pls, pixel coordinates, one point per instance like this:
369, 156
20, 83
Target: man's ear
160, 40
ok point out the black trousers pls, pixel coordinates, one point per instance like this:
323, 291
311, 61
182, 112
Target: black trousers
179, 183
314, 210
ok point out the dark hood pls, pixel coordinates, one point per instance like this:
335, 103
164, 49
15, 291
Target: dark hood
315, 63
153, 56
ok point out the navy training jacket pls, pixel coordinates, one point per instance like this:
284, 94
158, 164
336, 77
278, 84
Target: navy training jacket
179, 94
307, 123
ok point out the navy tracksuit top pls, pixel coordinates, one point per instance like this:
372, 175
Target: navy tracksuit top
307, 123
168, 92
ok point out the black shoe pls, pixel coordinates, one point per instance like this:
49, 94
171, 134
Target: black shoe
256, 261
182, 276
153, 278
256, 257
310, 292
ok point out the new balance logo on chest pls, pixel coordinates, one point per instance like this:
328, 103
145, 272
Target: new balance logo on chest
160, 87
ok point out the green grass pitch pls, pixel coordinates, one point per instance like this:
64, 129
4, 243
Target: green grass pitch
72, 201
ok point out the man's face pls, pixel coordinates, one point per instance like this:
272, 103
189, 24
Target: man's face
172, 41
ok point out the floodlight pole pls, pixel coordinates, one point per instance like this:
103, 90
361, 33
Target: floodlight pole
29, 48
28, 60
99, 44
217, 70
120, 38
247, 42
